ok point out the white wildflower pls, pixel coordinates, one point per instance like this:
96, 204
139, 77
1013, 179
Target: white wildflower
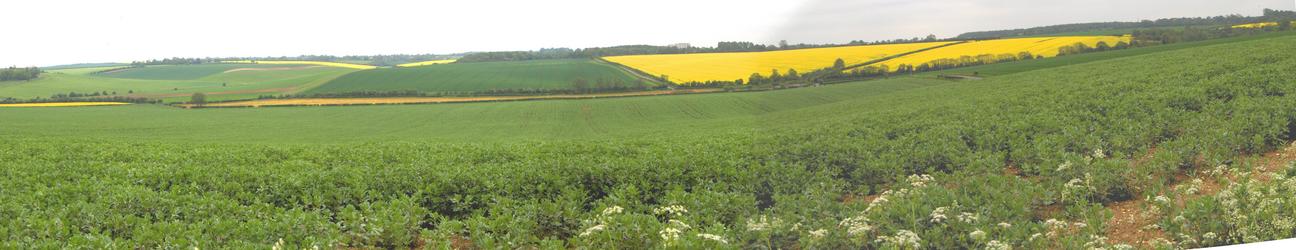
920, 180
1005, 225
678, 224
968, 217
1034, 236
902, 238
762, 224
278, 245
1080, 225
1209, 236
675, 210
669, 234
1065, 165
977, 235
856, 225
819, 233
1160, 199
996, 245
713, 237
938, 215
612, 210
1099, 154
592, 230
1123, 247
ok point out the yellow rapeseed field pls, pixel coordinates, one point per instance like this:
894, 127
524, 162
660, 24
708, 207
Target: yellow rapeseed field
1038, 46
330, 64
1257, 25
62, 104
682, 68
426, 63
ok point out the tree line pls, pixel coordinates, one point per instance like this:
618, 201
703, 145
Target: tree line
1270, 15
19, 74
100, 96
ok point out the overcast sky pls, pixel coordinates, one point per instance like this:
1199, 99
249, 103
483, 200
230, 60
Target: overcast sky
49, 32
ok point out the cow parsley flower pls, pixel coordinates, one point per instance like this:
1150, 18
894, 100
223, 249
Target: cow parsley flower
713, 237
996, 245
675, 210
592, 230
612, 210
977, 235
819, 233
938, 215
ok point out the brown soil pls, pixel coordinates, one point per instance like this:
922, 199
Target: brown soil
418, 100
1130, 224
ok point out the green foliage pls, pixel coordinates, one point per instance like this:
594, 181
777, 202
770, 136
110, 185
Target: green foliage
486, 76
912, 162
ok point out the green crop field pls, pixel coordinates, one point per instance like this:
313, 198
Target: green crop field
536, 74
241, 84
179, 72
84, 71
1030, 157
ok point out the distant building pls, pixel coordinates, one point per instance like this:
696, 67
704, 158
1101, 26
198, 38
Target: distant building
680, 46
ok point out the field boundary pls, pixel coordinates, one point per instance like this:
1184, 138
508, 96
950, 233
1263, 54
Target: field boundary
301, 102
633, 72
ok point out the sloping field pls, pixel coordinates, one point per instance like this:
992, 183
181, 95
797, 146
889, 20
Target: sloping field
682, 68
175, 72
60, 104
83, 71
1027, 160
534, 74
422, 100
330, 64
225, 81
1037, 46
426, 63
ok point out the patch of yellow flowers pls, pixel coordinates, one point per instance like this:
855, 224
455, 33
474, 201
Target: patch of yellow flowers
1258, 25
1037, 46
426, 63
702, 67
329, 64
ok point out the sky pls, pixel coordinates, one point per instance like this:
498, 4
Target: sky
52, 32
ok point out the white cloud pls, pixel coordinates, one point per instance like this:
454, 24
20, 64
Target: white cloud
74, 31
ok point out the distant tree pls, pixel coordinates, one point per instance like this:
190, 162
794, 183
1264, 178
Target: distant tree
775, 76
198, 99
839, 64
783, 44
1285, 25
792, 74
756, 78
930, 38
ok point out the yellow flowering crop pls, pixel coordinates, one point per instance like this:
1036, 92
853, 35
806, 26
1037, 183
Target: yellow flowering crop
426, 63
63, 104
330, 64
1037, 46
701, 67
1257, 25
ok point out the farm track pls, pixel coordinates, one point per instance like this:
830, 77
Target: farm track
1132, 224
428, 100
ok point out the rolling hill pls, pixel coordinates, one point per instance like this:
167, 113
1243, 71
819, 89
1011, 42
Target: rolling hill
485, 76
